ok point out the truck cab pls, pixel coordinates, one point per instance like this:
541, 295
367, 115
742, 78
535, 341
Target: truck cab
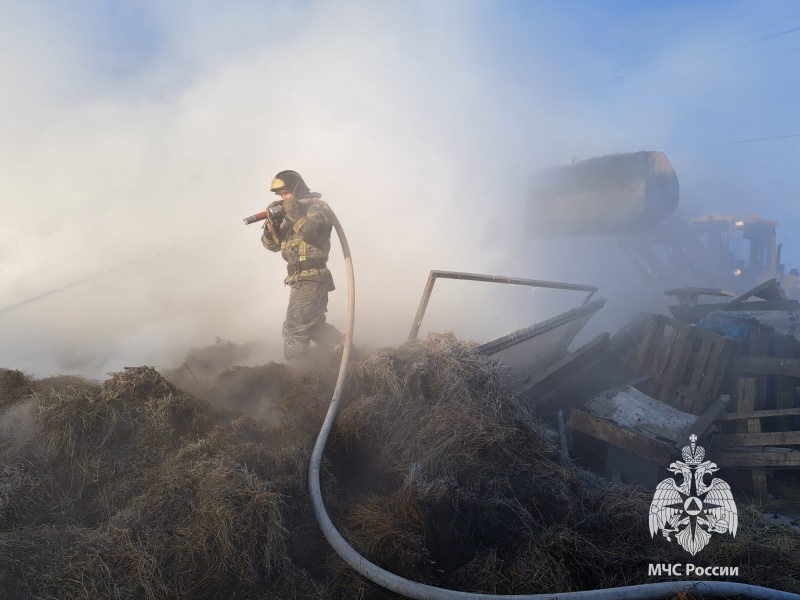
744, 247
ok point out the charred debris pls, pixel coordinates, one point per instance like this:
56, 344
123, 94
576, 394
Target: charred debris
725, 371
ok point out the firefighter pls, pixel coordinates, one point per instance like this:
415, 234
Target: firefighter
303, 236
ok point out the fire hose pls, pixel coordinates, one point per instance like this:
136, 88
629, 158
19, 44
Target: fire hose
412, 589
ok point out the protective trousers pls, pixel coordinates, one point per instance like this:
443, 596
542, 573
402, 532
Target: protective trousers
305, 320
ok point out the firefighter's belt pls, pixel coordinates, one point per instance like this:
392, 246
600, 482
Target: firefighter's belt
307, 267
310, 272
305, 273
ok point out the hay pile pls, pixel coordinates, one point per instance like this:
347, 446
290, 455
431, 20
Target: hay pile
136, 488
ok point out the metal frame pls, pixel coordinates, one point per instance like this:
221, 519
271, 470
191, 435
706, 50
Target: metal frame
521, 335
434, 275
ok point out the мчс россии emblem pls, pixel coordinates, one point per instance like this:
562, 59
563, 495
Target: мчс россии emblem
691, 510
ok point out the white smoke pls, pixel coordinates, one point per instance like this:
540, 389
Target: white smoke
410, 118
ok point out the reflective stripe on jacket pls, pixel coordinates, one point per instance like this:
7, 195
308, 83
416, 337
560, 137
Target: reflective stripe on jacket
305, 243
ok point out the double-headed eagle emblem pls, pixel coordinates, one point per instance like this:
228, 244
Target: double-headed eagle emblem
691, 510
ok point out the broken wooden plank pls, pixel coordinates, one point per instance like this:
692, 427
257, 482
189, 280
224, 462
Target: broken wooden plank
638, 380
785, 400
770, 290
708, 374
785, 386
695, 314
767, 365
758, 438
714, 375
709, 416
676, 362
563, 370
706, 347
662, 358
759, 414
690, 398
759, 334
662, 434
748, 401
730, 381
620, 437
750, 460
687, 296
650, 346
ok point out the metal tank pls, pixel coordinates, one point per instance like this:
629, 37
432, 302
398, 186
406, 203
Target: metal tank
618, 193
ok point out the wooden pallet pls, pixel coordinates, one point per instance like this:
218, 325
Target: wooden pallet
764, 436
686, 365
752, 447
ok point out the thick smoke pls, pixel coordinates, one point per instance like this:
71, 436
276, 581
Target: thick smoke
16, 424
137, 138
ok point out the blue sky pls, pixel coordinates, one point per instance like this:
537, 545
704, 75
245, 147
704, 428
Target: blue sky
145, 124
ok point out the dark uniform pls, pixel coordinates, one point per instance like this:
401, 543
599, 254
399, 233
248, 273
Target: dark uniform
305, 241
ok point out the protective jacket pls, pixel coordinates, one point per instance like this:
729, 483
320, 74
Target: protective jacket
305, 243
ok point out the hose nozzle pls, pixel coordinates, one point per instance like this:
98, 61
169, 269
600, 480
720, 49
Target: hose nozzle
277, 212
255, 218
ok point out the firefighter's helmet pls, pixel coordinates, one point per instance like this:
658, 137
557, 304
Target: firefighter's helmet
289, 181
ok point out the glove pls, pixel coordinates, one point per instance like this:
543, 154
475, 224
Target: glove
271, 228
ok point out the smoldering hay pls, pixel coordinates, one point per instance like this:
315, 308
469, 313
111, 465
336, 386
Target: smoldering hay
192, 484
